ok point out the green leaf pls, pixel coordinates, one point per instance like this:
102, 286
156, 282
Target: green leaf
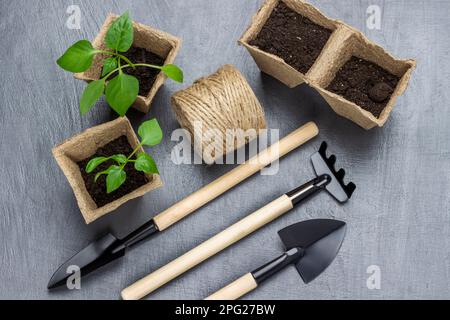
78, 57
91, 94
119, 158
99, 174
115, 178
103, 172
120, 35
146, 163
121, 92
150, 133
109, 64
173, 72
94, 163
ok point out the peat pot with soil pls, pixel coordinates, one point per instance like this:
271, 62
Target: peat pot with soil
288, 39
294, 42
107, 166
364, 81
127, 62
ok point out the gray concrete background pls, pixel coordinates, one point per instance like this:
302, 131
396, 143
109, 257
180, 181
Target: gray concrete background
398, 218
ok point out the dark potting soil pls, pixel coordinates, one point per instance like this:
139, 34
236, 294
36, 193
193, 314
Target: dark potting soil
97, 190
364, 83
292, 37
145, 75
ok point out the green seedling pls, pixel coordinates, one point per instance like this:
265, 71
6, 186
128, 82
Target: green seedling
122, 90
150, 134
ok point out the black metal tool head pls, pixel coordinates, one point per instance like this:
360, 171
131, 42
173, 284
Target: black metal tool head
324, 165
320, 240
95, 255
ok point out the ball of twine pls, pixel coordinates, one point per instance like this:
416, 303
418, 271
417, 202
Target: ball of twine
219, 102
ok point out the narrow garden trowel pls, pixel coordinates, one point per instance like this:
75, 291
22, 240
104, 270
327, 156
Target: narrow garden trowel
327, 178
310, 245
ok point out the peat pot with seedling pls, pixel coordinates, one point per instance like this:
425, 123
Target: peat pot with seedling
116, 80
107, 166
151, 135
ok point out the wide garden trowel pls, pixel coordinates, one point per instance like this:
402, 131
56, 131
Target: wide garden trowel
310, 245
327, 178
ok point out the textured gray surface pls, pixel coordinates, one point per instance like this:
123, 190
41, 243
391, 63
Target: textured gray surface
398, 218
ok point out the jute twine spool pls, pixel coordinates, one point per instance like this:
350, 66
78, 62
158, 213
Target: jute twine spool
221, 102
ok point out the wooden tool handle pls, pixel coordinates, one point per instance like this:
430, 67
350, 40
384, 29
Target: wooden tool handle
211, 191
236, 289
208, 248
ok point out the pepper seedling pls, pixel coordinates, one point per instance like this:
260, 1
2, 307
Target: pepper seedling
122, 90
150, 134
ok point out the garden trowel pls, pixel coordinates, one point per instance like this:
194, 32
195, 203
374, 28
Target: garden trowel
327, 178
310, 245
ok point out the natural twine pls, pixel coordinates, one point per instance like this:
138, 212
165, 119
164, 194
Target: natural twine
222, 101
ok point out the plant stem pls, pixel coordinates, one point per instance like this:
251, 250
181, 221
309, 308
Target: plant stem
126, 60
148, 65
121, 56
129, 66
120, 67
129, 157
134, 151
